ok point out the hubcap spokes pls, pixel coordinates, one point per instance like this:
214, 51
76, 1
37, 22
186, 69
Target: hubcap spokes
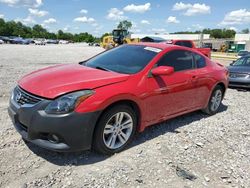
216, 100
118, 130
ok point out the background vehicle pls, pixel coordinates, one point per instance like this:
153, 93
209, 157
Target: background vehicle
51, 41
63, 42
1, 41
94, 44
243, 53
190, 44
119, 37
40, 42
103, 101
19, 40
239, 72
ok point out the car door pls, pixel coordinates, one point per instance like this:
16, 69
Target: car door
201, 80
174, 93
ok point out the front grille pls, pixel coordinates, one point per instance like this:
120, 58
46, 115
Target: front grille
22, 97
24, 127
238, 75
239, 83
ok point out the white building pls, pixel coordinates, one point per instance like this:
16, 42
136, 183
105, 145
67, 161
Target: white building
173, 36
242, 37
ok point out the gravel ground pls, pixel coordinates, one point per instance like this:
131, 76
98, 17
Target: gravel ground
193, 150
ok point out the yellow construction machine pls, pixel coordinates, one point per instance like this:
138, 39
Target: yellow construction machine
119, 37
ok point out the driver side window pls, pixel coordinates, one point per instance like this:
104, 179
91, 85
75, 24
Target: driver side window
178, 59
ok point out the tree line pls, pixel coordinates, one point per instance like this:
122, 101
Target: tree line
12, 28
215, 33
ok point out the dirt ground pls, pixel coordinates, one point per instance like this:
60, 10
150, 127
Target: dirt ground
193, 150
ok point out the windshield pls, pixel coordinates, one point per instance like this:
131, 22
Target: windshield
126, 59
242, 62
243, 52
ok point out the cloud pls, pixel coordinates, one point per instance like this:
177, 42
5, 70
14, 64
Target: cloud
1, 16
66, 28
135, 30
28, 3
137, 8
233, 28
94, 24
29, 20
172, 19
50, 21
192, 9
84, 19
236, 17
36, 12
83, 11
198, 26
115, 14
146, 22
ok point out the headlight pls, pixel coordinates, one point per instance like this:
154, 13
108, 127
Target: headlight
67, 103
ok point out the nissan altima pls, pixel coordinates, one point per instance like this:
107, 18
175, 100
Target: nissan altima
102, 102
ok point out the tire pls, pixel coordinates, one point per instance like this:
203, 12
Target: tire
115, 130
214, 101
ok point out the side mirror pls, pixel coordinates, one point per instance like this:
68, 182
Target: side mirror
232, 63
162, 70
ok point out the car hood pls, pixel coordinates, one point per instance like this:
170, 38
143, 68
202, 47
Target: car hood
54, 81
239, 69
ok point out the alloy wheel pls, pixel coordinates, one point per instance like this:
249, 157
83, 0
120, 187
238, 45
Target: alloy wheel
118, 130
216, 100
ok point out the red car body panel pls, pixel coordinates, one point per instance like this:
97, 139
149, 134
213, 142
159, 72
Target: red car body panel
157, 98
204, 51
54, 81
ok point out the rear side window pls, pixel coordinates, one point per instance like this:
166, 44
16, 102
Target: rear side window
184, 43
200, 61
178, 59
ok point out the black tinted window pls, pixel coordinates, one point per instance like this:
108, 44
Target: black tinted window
128, 59
184, 43
179, 59
199, 60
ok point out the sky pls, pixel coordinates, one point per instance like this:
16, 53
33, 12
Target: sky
100, 16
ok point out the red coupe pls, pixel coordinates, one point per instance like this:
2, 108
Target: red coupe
100, 103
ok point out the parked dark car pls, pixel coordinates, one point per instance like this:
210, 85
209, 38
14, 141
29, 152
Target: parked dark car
51, 41
5, 39
243, 53
239, 73
19, 40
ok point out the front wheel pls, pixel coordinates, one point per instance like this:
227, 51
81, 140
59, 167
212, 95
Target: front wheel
115, 130
214, 101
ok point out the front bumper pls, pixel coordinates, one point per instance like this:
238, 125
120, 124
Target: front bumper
73, 130
239, 82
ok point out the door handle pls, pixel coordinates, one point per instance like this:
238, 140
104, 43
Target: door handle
194, 79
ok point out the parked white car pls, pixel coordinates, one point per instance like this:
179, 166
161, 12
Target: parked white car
1, 41
40, 42
63, 42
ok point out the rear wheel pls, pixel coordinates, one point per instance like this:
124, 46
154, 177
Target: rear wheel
115, 130
214, 101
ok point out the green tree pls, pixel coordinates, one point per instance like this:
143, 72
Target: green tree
245, 31
125, 24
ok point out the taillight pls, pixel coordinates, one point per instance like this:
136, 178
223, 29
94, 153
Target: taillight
227, 73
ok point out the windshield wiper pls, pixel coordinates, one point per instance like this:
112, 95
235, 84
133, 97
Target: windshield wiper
102, 68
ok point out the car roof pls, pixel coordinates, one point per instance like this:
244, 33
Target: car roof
163, 45
154, 44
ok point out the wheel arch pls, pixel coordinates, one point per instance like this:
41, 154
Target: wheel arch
135, 107
127, 102
223, 86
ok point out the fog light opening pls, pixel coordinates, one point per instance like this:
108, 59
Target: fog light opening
53, 138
